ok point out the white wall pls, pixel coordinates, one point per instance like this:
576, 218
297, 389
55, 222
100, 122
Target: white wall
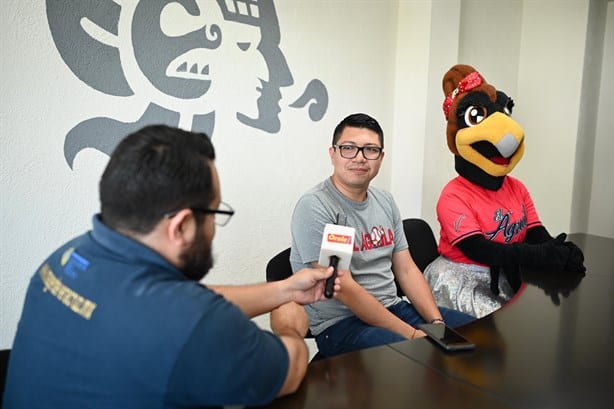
443, 54
382, 57
549, 90
600, 214
44, 202
405, 140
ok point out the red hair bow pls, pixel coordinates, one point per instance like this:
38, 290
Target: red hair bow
468, 83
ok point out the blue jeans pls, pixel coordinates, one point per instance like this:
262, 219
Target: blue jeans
351, 334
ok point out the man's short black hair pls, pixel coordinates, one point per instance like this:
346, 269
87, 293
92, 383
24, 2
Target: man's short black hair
359, 121
153, 171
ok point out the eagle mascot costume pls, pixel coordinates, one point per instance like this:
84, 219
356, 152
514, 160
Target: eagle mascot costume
490, 228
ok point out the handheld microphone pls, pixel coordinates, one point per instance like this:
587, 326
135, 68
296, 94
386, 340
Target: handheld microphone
336, 252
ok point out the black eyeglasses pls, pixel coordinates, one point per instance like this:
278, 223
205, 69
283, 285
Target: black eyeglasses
222, 214
350, 151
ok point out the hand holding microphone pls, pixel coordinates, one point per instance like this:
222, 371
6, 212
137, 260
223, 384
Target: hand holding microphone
336, 252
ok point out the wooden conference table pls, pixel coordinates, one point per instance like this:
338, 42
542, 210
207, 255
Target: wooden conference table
552, 346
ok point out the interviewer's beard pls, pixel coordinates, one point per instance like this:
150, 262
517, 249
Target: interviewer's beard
197, 260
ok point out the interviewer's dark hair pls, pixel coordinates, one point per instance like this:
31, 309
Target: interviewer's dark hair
358, 121
153, 171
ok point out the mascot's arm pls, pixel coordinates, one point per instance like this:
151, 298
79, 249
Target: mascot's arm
539, 251
552, 254
537, 234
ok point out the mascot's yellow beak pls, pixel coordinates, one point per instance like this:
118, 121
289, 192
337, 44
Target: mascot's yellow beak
506, 137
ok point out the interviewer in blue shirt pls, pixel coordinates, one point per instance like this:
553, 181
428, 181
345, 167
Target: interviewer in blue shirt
117, 318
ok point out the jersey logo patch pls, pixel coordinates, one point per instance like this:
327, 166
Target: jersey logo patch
457, 223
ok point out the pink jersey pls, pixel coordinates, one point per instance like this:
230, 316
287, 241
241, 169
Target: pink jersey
465, 209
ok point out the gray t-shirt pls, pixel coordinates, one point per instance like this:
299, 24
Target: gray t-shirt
379, 234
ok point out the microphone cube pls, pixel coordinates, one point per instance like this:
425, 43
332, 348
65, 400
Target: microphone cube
337, 241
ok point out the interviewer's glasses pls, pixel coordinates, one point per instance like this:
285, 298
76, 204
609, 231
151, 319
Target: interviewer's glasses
222, 214
350, 151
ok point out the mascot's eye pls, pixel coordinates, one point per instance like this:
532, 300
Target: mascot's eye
474, 115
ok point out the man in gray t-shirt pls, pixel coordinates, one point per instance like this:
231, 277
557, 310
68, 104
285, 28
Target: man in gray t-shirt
367, 311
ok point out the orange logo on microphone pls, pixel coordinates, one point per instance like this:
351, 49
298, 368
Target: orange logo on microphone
339, 238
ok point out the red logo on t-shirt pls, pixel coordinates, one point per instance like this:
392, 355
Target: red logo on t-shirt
376, 238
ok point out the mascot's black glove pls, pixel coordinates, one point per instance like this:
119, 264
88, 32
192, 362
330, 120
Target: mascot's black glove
554, 255
575, 263
542, 253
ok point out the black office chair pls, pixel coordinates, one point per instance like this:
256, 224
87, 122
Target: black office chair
279, 268
422, 245
4, 364
421, 240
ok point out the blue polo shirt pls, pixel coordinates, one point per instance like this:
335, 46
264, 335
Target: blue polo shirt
109, 323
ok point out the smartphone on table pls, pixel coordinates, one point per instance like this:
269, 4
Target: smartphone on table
446, 337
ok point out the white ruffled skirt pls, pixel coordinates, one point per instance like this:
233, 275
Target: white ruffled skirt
465, 287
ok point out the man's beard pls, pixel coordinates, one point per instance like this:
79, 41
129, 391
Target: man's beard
197, 260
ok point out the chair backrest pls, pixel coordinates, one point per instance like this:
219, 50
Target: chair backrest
4, 363
421, 240
279, 268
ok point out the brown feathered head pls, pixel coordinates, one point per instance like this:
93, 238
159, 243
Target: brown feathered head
458, 81
480, 129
